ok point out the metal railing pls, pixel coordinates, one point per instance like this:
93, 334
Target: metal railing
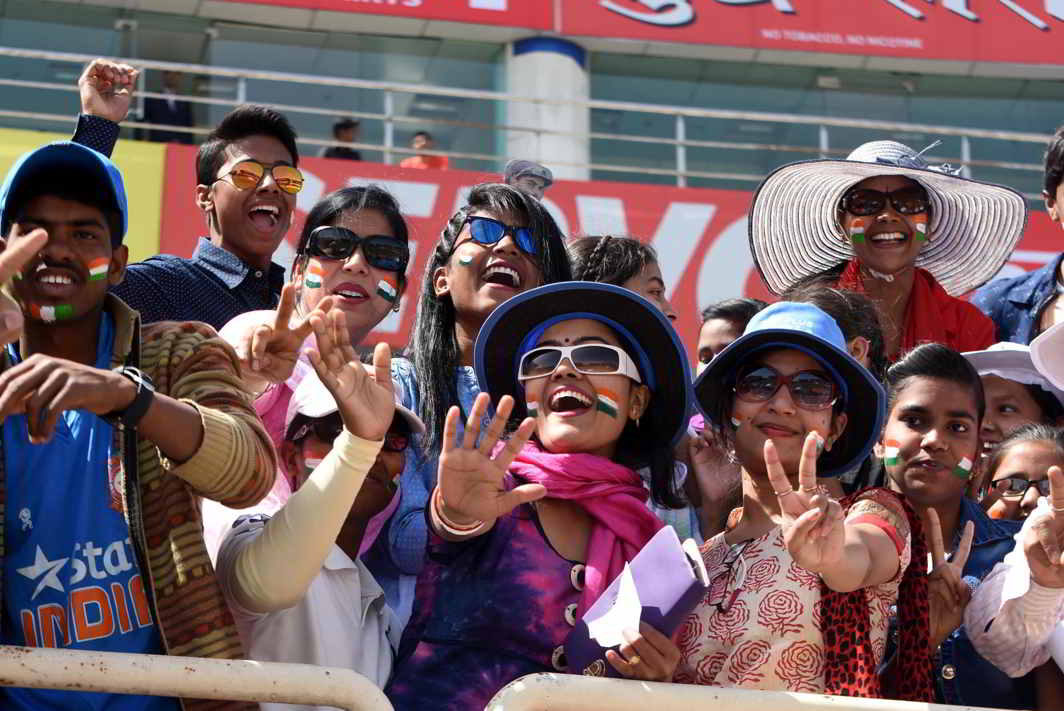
680, 144
188, 677
572, 692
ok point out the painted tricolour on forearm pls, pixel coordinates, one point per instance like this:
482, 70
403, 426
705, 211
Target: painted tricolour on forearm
890, 453
98, 268
963, 468
857, 230
52, 313
387, 290
315, 275
607, 402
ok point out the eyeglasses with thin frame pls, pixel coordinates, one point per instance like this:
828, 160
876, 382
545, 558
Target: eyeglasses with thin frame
248, 174
586, 358
339, 243
1014, 487
862, 202
328, 428
488, 231
727, 583
809, 389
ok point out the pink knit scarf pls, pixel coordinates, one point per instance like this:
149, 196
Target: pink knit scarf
614, 497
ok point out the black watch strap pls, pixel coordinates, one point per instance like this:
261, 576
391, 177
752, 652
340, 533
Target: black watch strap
130, 416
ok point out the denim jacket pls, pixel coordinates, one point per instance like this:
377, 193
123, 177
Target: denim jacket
1014, 304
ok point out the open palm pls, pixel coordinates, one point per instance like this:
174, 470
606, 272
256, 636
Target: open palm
471, 480
366, 400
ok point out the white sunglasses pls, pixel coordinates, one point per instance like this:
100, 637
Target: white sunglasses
586, 358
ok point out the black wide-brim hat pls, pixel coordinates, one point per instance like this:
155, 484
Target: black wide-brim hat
806, 328
645, 333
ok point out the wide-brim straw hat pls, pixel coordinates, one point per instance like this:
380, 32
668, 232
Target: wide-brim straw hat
795, 231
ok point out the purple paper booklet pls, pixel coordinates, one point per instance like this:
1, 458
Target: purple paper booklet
660, 586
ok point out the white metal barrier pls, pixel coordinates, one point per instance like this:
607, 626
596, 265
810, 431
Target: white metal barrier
188, 677
570, 692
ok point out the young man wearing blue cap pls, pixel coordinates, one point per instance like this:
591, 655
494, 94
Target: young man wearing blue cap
110, 435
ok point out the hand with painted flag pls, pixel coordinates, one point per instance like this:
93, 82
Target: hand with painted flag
270, 351
812, 521
470, 491
947, 592
1043, 540
366, 399
16, 255
107, 88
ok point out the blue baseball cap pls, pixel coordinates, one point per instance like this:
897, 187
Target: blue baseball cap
804, 327
75, 159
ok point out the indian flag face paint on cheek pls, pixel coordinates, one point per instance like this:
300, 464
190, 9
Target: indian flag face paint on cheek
920, 225
736, 421
607, 402
465, 260
315, 275
891, 448
387, 290
98, 268
52, 313
531, 405
963, 468
857, 230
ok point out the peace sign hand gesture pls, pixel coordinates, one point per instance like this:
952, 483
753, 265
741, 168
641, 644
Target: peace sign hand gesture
366, 400
1043, 541
270, 351
812, 522
471, 480
17, 254
947, 592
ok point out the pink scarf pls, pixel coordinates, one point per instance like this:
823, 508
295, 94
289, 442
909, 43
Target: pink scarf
614, 497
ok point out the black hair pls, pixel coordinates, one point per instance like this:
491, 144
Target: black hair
353, 199
426, 134
1052, 410
241, 122
609, 259
342, 124
65, 187
856, 315
934, 360
1054, 170
738, 311
433, 347
1033, 432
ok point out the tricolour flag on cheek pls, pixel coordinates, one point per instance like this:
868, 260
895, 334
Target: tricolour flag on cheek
890, 452
857, 230
98, 268
386, 290
963, 468
531, 405
607, 402
52, 313
315, 275
920, 225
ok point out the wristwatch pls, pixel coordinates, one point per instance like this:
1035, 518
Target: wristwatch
130, 416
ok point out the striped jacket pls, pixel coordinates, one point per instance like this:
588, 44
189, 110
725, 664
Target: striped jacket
235, 465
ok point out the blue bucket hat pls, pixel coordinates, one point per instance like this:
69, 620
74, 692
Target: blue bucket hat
91, 166
806, 328
516, 325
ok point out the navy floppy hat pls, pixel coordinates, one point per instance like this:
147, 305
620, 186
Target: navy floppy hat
96, 169
806, 328
646, 335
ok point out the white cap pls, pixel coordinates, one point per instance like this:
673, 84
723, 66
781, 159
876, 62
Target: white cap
1017, 362
1047, 352
312, 399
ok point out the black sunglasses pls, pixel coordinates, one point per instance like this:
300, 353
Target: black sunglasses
328, 428
381, 251
862, 202
1014, 487
809, 389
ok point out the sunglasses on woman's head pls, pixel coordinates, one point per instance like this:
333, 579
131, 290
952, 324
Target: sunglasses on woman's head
588, 358
1014, 487
328, 428
487, 231
809, 389
381, 251
863, 202
247, 174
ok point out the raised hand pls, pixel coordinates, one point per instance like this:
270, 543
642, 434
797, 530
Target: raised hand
947, 592
366, 401
717, 476
1043, 542
270, 351
17, 254
470, 479
107, 88
812, 521
647, 655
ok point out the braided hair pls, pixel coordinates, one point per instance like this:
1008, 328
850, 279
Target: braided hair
609, 259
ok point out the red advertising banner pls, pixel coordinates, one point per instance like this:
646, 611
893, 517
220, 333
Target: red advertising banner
1027, 31
700, 235
534, 14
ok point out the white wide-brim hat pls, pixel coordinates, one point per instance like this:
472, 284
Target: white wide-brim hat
795, 231
1047, 352
1015, 361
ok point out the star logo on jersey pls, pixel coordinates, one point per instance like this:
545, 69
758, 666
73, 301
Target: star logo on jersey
49, 569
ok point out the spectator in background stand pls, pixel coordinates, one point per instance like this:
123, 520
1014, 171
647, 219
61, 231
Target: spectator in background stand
722, 323
344, 130
423, 141
528, 176
1026, 305
169, 111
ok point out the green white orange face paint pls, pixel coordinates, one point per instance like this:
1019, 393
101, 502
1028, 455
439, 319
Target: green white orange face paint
891, 449
50, 314
315, 275
920, 225
963, 469
857, 230
607, 402
736, 421
465, 260
387, 290
531, 405
98, 268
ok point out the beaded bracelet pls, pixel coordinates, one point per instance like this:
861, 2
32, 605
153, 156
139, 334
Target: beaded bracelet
448, 526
